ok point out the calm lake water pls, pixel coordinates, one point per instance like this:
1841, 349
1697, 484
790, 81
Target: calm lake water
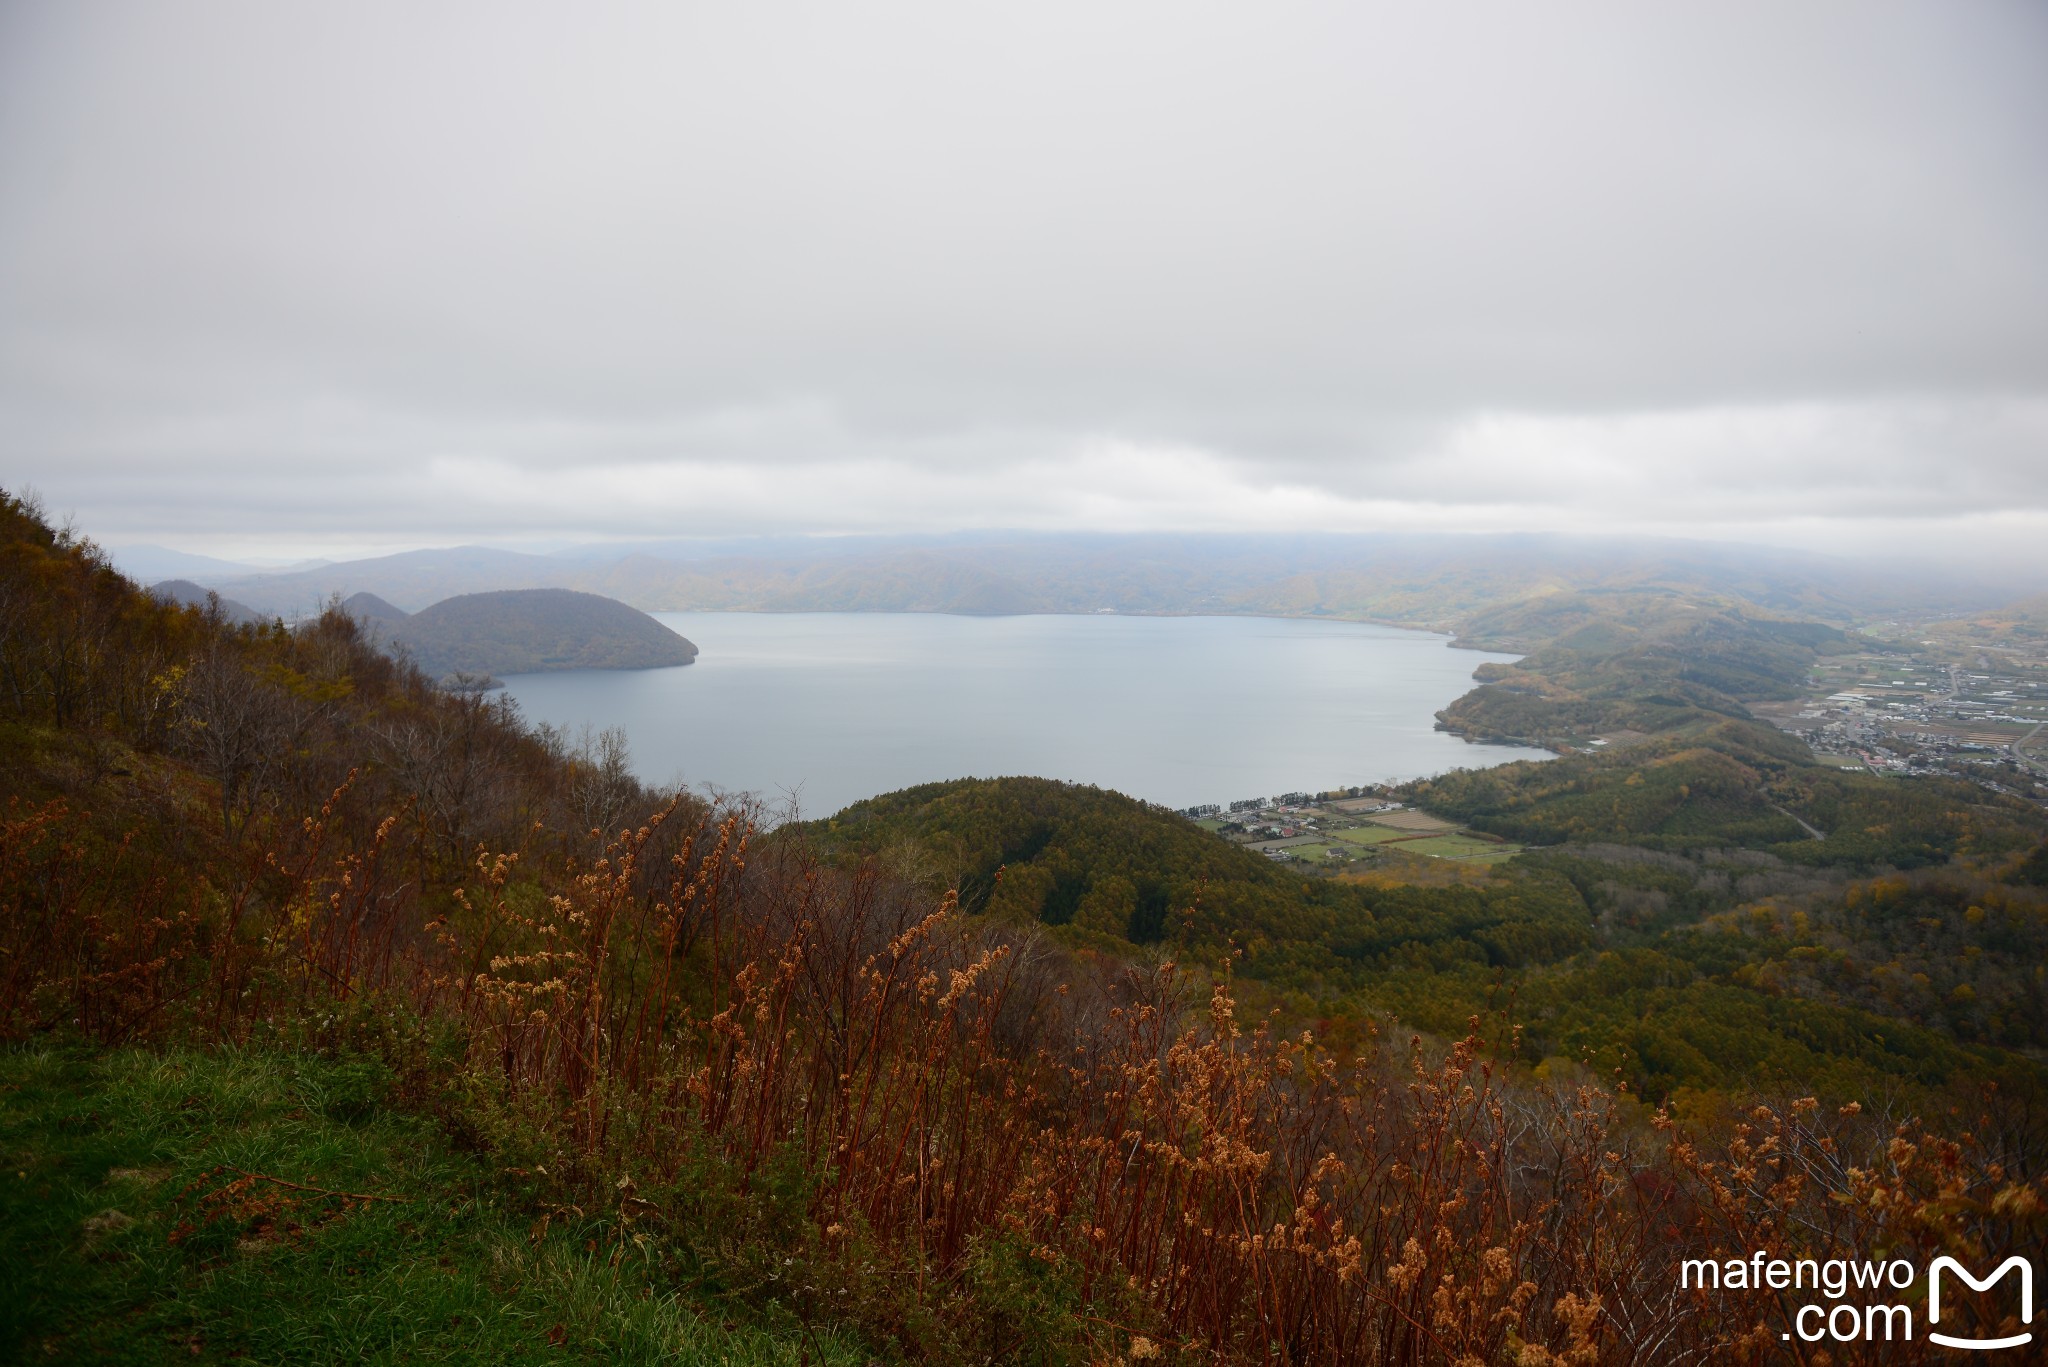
834, 707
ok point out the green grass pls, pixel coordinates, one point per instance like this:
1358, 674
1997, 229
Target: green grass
122, 1239
1414, 842
1449, 846
1371, 835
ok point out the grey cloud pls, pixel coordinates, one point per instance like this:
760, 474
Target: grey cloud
312, 265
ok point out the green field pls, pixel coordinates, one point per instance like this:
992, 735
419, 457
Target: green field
1451, 846
1370, 835
1495, 854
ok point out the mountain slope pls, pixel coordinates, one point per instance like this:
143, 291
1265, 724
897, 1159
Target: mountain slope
368, 608
191, 595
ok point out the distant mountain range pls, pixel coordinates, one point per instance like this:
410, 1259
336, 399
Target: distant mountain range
148, 564
1415, 580
2018, 625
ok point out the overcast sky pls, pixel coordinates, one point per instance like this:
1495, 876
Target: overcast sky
283, 279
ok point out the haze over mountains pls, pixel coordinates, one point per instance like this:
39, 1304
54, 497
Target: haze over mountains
1420, 580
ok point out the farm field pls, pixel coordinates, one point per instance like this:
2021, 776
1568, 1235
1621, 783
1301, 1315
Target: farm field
1339, 833
1371, 835
1456, 847
1409, 820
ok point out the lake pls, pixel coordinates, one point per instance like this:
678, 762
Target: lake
835, 707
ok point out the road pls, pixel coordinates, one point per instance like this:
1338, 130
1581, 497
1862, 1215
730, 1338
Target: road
2018, 750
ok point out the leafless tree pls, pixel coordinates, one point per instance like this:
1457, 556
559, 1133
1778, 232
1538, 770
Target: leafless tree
234, 725
602, 792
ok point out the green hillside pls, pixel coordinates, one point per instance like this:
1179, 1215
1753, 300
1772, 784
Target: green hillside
1552, 928
1119, 873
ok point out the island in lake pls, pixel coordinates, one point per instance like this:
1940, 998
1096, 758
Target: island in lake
525, 631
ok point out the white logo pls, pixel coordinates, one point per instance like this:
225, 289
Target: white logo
2026, 1300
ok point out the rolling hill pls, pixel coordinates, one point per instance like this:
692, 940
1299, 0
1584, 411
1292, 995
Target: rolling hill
186, 592
369, 609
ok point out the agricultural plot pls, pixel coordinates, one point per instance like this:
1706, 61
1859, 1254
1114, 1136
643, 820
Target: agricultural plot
1441, 840
1410, 820
1371, 835
1452, 846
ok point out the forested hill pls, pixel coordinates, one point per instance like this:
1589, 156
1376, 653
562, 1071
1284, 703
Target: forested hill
1737, 952
1640, 660
521, 631
1121, 872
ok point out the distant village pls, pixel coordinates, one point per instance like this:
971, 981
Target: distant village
1343, 827
1912, 712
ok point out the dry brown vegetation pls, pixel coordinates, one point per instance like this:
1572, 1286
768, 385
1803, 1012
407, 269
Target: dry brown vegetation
944, 1130
976, 1142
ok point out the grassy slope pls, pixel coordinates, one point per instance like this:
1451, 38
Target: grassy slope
122, 1238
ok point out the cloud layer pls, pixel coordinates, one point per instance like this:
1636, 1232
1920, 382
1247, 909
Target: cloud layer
275, 278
